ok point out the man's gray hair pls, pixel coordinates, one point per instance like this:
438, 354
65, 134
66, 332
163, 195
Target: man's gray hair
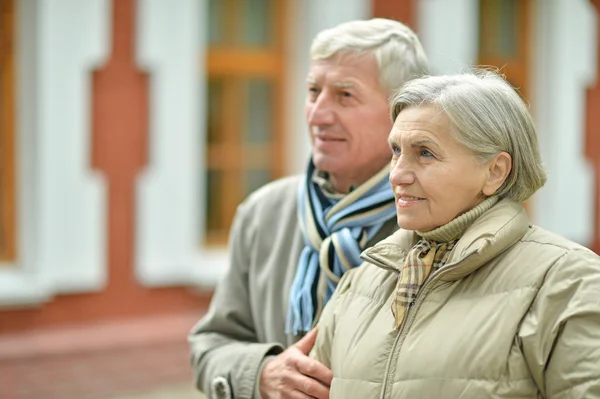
397, 49
488, 117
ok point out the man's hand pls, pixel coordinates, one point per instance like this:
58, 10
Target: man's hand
292, 374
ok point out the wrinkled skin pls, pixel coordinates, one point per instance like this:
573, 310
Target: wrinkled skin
292, 374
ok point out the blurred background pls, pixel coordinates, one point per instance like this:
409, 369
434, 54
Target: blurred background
131, 130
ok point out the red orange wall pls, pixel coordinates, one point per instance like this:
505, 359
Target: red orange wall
400, 10
119, 130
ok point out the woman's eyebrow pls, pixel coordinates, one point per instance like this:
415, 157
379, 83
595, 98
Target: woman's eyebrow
393, 139
423, 142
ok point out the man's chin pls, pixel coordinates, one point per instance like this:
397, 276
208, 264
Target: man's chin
328, 167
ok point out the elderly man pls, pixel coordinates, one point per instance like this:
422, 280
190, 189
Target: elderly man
293, 239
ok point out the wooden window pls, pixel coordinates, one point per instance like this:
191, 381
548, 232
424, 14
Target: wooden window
504, 42
7, 125
504, 39
245, 105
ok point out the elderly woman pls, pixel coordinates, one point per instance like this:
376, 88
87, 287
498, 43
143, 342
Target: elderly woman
468, 299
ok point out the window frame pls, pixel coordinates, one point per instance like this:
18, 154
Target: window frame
232, 64
516, 69
7, 130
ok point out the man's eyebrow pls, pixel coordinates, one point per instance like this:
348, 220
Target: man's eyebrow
310, 80
343, 85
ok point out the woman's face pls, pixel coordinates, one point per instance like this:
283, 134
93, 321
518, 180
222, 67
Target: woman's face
434, 177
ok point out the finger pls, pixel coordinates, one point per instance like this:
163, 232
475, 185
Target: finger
314, 369
309, 387
298, 395
307, 342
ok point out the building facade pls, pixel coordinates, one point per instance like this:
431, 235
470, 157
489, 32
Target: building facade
131, 130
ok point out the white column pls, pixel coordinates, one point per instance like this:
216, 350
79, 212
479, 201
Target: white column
61, 201
564, 66
170, 47
449, 32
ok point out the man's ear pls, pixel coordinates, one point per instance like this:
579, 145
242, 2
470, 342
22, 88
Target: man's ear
499, 168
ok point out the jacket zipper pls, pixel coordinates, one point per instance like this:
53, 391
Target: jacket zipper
392, 364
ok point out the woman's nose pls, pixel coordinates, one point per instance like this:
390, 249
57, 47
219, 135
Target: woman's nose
401, 172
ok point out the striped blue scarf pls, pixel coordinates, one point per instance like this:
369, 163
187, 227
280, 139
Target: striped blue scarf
335, 233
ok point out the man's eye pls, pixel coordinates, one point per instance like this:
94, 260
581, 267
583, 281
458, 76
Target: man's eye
313, 93
346, 94
395, 149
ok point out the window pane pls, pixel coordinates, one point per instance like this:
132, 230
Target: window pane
215, 21
224, 192
259, 101
257, 105
253, 179
256, 28
509, 18
214, 204
499, 21
215, 111
244, 23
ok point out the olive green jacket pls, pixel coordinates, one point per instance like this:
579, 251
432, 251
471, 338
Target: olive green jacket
246, 320
514, 313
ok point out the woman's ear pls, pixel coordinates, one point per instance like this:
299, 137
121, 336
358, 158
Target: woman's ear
499, 168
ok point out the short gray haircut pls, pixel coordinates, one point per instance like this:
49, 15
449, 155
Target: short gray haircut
488, 117
397, 49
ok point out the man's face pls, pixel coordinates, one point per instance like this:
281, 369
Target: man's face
348, 117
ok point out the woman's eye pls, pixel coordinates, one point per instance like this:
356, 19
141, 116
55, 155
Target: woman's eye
424, 152
395, 150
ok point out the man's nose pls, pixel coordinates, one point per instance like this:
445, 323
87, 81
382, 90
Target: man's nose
321, 111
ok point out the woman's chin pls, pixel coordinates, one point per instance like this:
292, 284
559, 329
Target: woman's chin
413, 225
408, 226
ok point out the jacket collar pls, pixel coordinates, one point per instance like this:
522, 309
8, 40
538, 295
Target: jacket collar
492, 233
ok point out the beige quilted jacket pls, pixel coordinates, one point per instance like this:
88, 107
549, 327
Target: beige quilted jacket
515, 313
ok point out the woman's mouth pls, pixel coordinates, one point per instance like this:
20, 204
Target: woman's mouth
406, 201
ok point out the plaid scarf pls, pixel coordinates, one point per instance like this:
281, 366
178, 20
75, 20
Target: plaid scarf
429, 254
335, 232
424, 257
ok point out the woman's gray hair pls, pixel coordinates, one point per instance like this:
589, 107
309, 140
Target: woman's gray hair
396, 47
488, 117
